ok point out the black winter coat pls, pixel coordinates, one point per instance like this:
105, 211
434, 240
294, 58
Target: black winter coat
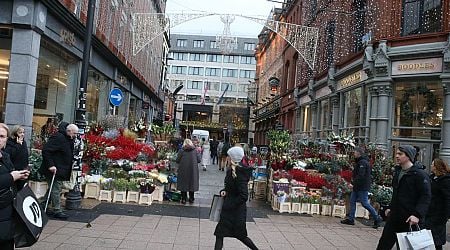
58, 152
18, 153
7, 185
362, 174
233, 217
439, 211
412, 196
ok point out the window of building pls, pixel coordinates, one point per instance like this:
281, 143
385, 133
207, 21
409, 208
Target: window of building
56, 85
197, 57
194, 84
180, 70
330, 29
325, 118
214, 58
306, 123
97, 104
248, 60
193, 98
229, 72
196, 71
213, 85
230, 87
418, 110
230, 59
199, 43
247, 73
359, 23
421, 16
181, 42
175, 83
212, 72
180, 56
213, 45
243, 88
353, 105
249, 46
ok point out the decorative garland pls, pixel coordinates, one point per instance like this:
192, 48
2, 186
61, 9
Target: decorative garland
406, 107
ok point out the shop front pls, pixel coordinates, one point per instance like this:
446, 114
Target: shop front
418, 106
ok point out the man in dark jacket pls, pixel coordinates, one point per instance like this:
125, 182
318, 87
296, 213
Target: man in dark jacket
57, 157
410, 199
361, 181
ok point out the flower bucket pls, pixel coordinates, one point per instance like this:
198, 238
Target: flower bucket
145, 199
105, 195
133, 196
120, 196
91, 190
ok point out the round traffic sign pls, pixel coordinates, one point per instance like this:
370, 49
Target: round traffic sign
116, 97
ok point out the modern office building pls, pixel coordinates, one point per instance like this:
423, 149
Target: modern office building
215, 84
41, 49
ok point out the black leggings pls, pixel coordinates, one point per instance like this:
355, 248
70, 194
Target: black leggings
246, 240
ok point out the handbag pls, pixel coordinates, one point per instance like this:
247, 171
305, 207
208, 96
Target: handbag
30, 219
415, 240
216, 208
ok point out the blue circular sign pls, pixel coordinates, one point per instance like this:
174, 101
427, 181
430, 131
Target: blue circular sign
116, 97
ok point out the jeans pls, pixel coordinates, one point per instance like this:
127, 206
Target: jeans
55, 193
363, 197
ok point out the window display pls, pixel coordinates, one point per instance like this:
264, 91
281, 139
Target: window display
97, 96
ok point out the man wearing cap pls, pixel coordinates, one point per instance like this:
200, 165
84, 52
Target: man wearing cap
361, 181
410, 199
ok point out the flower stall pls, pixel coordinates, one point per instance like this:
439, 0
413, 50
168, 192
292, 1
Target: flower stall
314, 178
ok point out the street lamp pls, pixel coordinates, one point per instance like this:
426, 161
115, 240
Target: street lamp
174, 95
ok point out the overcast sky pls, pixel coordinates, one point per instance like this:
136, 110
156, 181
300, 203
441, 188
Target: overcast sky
213, 25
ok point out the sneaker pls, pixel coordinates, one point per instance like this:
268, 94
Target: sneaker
348, 222
60, 215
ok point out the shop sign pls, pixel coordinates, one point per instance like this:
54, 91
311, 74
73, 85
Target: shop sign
323, 92
67, 37
419, 66
352, 79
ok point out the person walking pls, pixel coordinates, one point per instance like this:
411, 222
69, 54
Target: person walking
57, 159
410, 199
224, 155
361, 181
188, 176
232, 222
219, 154
9, 184
439, 211
206, 154
214, 143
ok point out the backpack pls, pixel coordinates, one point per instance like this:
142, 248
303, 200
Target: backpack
225, 148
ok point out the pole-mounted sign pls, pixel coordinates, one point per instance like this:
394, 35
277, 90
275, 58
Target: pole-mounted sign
116, 97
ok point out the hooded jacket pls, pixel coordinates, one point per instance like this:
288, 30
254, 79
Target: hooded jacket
362, 174
58, 152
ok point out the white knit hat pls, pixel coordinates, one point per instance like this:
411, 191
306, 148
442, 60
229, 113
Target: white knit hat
236, 154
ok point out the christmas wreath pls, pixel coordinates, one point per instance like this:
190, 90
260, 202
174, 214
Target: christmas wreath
407, 113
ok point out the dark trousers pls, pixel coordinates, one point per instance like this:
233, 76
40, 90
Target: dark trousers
7, 245
246, 240
184, 195
214, 158
389, 235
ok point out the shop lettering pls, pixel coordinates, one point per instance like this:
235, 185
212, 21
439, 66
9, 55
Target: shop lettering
67, 37
415, 66
350, 80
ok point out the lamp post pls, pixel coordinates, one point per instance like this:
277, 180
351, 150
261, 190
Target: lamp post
225, 133
73, 200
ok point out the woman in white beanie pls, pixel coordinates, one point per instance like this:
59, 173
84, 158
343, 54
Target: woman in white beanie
233, 217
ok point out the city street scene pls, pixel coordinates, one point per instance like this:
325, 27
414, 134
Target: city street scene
207, 124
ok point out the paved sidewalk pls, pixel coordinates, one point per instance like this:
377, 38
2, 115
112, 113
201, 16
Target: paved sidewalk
168, 232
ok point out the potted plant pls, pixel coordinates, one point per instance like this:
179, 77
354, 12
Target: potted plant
120, 187
133, 191
146, 189
306, 203
37, 180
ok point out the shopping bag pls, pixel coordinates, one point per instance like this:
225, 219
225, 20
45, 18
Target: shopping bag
30, 219
415, 240
216, 208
